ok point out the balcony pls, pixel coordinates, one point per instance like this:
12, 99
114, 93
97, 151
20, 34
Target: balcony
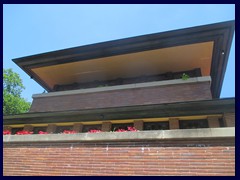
158, 92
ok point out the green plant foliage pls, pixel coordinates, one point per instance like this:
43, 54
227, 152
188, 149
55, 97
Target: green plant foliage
13, 103
185, 76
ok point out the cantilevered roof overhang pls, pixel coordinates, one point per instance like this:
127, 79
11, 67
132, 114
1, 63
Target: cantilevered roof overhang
206, 47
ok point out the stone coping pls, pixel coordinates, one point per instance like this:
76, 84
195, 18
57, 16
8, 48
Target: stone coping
119, 136
127, 86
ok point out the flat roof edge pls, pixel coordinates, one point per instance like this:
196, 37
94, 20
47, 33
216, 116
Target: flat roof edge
136, 38
220, 33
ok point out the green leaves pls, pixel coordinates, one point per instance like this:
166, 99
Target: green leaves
12, 88
12, 82
185, 76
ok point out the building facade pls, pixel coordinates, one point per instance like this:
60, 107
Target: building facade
146, 105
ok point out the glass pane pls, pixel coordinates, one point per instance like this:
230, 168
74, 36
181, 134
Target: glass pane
193, 124
121, 126
14, 130
60, 129
221, 122
87, 128
37, 129
156, 125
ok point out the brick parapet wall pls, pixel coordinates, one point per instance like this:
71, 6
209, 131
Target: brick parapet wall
124, 97
142, 157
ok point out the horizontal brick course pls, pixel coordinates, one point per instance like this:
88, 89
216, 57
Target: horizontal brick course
125, 97
178, 157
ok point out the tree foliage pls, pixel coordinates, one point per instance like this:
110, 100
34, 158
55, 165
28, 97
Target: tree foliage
13, 103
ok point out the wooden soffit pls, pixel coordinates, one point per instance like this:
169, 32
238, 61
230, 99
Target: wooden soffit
206, 47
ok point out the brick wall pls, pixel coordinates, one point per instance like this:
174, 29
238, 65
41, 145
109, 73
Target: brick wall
127, 97
229, 119
178, 157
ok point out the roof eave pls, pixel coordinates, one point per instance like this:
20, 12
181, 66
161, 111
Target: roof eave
220, 33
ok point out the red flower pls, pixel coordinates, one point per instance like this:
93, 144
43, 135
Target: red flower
121, 130
131, 128
23, 132
94, 131
6, 132
69, 132
42, 132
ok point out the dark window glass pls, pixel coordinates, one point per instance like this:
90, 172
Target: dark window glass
14, 130
60, 129
193, 124
37, 129
156, 125
121, 126
221, 123
87, 128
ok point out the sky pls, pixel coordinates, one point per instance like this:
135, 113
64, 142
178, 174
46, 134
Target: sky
33, 29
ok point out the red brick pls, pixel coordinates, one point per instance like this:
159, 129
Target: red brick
28, 128
229, 119
138, 124
106, 126
127, 97
173, 123
213, 122
159, 158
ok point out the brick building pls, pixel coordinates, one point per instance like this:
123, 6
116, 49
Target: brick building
166, 85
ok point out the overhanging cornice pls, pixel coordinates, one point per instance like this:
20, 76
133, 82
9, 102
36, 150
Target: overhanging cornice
220, 33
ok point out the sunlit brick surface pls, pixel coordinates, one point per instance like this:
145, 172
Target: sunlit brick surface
182, 157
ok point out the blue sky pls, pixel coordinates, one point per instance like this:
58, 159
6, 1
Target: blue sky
33, 29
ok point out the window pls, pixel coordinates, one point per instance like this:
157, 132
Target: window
15, 130
221, 122
60, 129
87, 128
37, 129
164, 125
193, 124
121, 126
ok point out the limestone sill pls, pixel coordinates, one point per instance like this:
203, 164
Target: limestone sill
127, 86
179, 134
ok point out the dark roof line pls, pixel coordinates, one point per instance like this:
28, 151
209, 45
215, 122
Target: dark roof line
204, 107
220, 33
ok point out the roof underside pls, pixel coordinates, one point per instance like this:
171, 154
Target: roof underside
152, 62
206, 47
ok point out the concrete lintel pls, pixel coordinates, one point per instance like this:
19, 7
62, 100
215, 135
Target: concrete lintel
127, 86
118, 136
